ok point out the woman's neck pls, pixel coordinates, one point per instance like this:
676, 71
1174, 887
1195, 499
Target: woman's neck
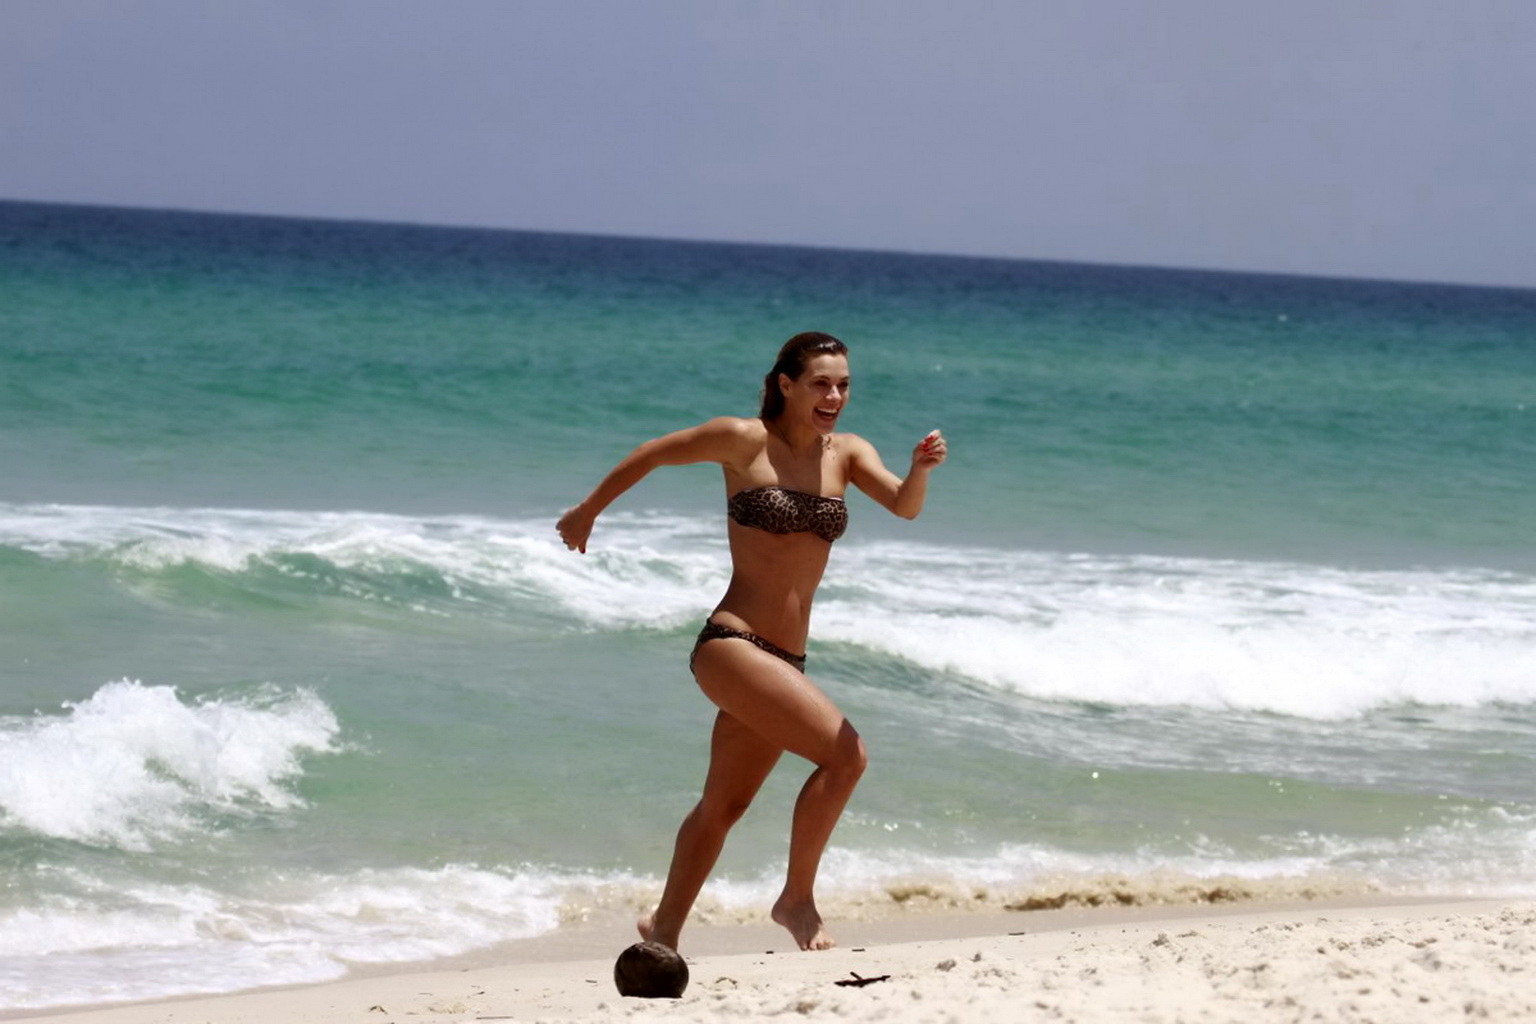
803, 439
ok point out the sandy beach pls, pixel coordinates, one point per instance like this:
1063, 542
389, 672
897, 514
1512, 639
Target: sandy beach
1378, 962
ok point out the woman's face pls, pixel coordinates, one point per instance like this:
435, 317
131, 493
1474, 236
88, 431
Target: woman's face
820, 393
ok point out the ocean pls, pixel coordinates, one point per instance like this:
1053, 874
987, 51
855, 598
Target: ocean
1227, 589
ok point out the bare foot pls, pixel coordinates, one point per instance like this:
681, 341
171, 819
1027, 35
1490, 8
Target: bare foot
648, 933
804, 923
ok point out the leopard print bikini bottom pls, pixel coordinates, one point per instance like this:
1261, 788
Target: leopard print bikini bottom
715, 631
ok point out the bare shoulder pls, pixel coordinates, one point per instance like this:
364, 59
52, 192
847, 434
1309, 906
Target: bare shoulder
739, 433
738, 438
724, 439
748, 428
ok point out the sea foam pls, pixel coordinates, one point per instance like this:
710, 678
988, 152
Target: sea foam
647, 570
155, 940
1309, 641
135, 763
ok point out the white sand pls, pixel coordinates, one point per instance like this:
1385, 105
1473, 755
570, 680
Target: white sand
1425, 962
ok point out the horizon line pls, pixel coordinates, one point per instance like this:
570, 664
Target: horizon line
811, 246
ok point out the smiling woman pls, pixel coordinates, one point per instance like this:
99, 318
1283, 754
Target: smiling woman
829, 381
785, 475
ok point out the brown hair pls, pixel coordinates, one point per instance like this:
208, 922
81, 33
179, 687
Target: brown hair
791, 363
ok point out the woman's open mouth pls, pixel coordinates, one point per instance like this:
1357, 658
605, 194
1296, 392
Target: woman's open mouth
826, 417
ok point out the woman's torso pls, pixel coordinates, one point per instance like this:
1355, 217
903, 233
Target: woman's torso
774, 575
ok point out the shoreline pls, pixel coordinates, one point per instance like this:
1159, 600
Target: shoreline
1402, 958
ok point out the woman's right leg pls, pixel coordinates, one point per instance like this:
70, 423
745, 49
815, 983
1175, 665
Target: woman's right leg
739, 761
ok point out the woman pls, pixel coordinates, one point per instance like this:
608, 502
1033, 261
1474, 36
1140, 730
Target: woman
785, 475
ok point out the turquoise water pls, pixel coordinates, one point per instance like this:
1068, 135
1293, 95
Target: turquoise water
1227, 575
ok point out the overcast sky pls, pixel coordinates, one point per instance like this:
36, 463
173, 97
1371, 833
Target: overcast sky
1350, 137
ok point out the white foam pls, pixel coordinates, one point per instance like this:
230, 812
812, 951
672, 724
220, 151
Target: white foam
645, 570
1307, 641
133, 763
1299, 640
151, 941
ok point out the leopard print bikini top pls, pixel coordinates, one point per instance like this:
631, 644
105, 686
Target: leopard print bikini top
781, 510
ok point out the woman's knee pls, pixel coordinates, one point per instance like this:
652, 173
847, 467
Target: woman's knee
722, 811
849, 756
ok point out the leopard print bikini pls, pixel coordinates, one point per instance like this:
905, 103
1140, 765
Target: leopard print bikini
777, 510
781, 510
715, 631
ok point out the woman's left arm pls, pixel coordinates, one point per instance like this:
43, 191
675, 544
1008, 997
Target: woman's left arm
903, 497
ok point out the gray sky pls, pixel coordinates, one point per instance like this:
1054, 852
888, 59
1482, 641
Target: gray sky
1351, 137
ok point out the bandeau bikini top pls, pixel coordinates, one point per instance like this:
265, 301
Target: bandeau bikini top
781, 510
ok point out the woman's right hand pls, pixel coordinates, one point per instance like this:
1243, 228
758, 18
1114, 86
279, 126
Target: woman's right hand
575, 527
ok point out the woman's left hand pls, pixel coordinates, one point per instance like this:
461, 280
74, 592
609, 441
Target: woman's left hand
930, 451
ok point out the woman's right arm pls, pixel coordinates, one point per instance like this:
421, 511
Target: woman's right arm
722, 440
